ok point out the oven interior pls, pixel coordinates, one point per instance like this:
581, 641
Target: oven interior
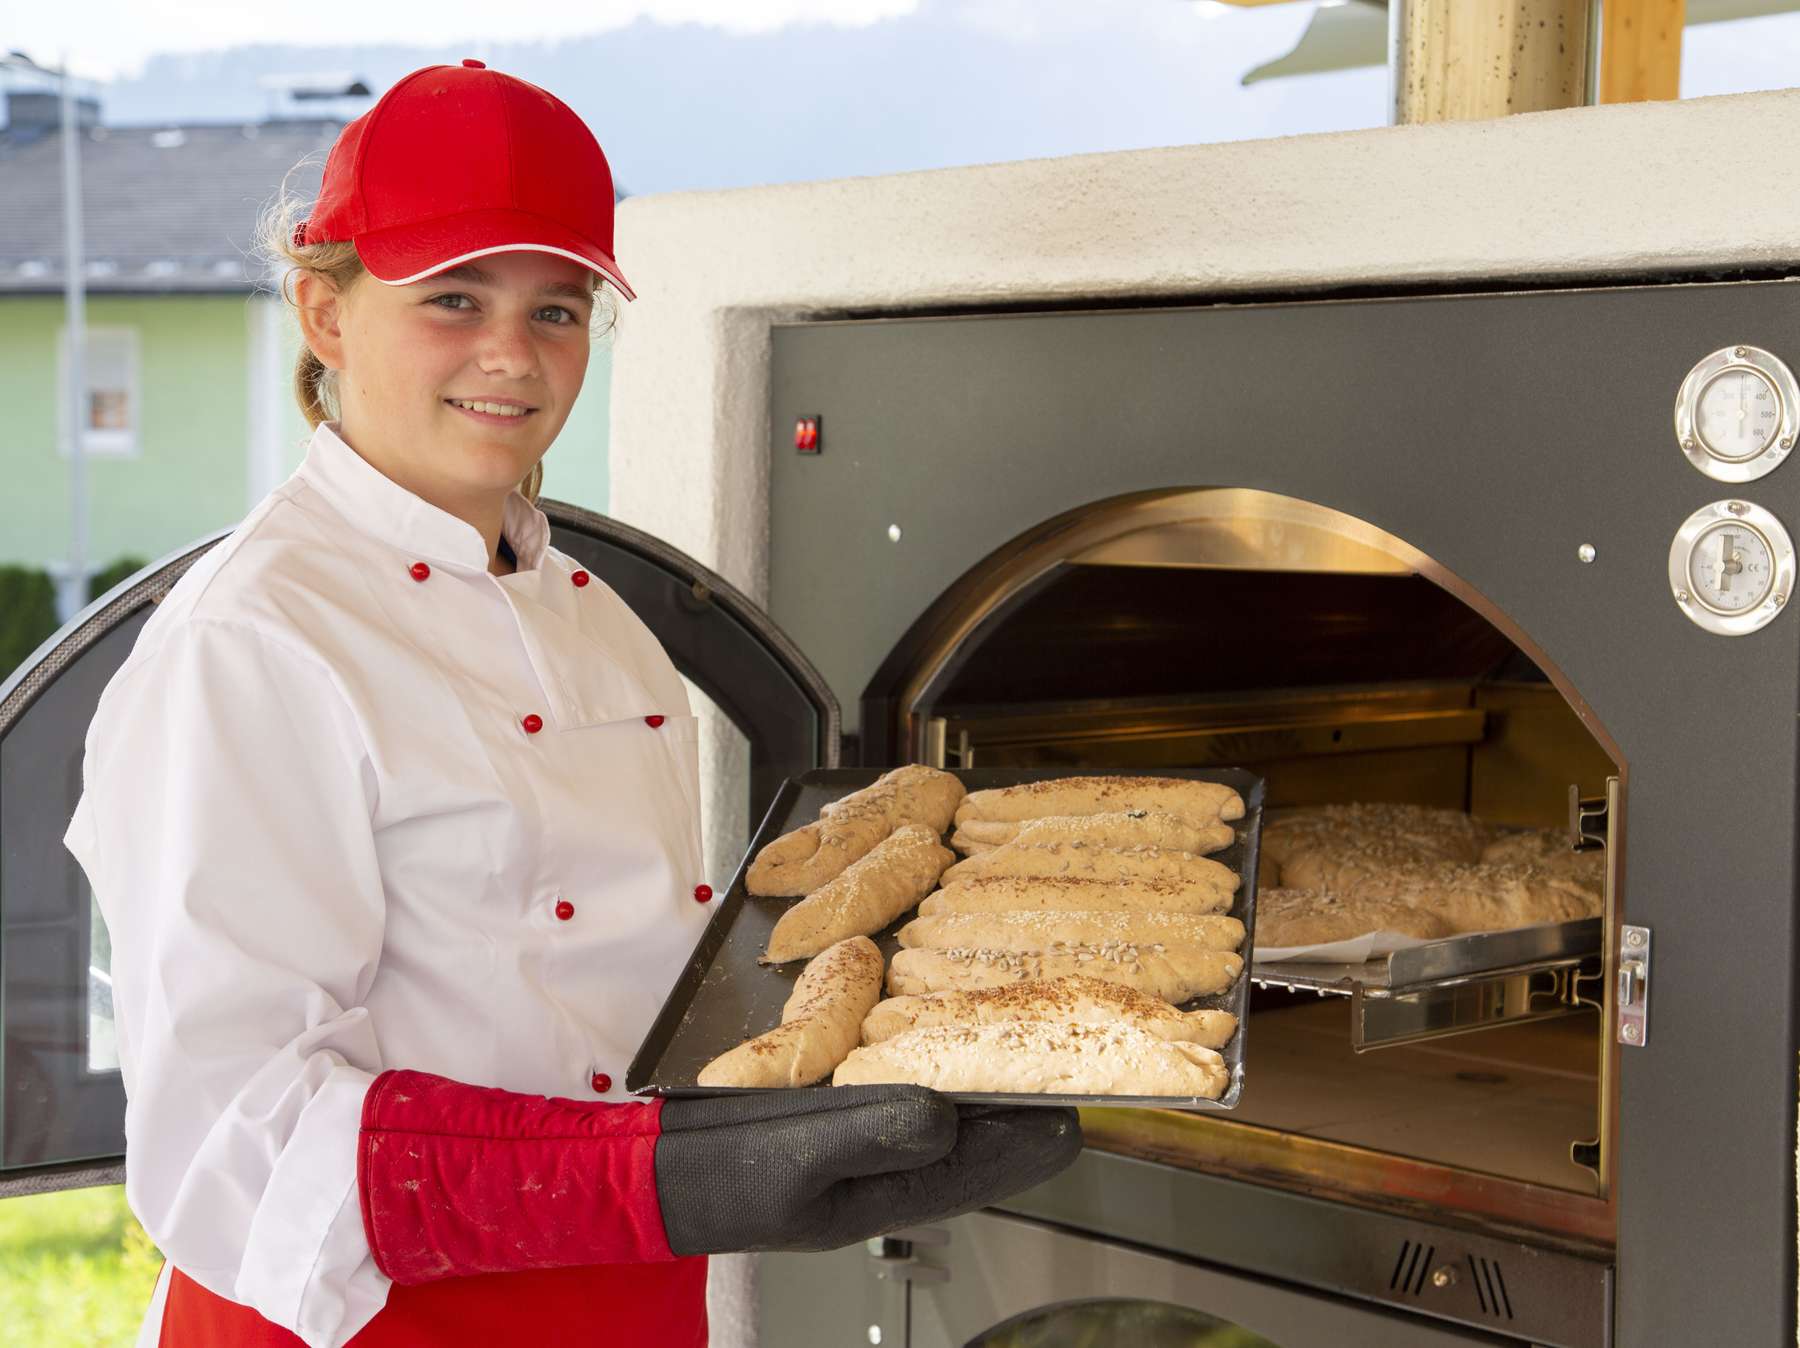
1241, 628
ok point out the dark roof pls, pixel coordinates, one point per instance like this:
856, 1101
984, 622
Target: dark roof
164, 208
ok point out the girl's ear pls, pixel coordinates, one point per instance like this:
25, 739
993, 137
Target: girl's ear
321, 311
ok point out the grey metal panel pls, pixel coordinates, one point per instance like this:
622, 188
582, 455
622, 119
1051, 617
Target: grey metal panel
1002, 1267
1496, 433
1547, 1296
830, 1298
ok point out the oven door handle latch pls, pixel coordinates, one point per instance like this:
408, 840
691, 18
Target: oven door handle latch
1634, 986
895, 1260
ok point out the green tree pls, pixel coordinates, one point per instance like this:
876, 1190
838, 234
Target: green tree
28, 607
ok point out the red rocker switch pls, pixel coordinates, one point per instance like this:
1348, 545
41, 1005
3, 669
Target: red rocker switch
806, 434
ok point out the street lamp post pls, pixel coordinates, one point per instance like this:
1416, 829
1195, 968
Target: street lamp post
74, 590
75, 303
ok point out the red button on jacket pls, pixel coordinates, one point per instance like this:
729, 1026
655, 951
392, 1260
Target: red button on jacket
533, 723
703, 893
653, 721
564, 909
580, 578
601, 1083
420, 571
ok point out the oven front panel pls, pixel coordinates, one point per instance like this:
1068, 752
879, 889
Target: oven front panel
1014, 1282
1498, 434
1117, 1251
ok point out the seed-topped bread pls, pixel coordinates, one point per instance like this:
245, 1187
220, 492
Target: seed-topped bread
1057, 893
1292, 917
1197, 802
1048, 931
1040, 1057
1075, 998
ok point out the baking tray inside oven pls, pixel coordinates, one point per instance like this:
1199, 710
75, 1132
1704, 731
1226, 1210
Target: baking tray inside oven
724, 996
1453, 959
1458, 985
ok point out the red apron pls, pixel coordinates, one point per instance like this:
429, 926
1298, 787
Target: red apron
618, 1305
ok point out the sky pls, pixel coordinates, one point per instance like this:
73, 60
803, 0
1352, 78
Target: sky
701, 94
108, 39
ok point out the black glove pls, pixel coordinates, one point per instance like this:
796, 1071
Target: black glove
820, 1168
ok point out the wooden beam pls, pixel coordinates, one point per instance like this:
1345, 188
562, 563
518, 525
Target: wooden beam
1464, 59
1640, 49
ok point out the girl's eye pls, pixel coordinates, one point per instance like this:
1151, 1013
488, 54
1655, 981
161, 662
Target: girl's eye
568, 317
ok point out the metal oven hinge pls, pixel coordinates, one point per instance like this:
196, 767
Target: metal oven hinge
895, 1260
1634, 985
1588, 819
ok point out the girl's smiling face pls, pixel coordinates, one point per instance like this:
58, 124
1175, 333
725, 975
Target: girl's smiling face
509, 329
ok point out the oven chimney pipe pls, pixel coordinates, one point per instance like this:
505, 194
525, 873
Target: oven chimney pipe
1457, 60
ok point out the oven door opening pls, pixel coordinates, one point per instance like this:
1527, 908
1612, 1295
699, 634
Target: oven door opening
1237, 627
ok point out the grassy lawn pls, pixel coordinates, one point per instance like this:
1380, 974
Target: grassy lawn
76, 1270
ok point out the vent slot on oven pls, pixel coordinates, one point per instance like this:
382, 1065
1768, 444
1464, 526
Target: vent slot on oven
1411, 1268
1490, 1287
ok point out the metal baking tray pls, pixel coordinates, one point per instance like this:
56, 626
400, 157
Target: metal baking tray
724, 996
1454, 959
1458, 985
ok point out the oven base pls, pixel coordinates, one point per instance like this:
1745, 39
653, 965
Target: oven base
1302, 1272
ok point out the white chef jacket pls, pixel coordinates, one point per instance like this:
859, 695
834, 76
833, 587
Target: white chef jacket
326, 844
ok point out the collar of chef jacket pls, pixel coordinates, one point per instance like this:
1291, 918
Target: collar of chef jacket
622, 671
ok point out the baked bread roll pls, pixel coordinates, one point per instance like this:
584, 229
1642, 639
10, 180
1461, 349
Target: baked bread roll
848, 829
820, 1022
1116, 828
1287, 917
993, 832
1078, 861
1176, 974
1197, 802
1548, 849
968, 846
1341, 865
1039, 1057
1432, 834
1483, 897
865, 898
1041, 932
1023, 894
1080, 998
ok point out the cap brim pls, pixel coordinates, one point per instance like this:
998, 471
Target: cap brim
411, 253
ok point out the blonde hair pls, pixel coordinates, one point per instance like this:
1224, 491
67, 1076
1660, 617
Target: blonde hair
315, 385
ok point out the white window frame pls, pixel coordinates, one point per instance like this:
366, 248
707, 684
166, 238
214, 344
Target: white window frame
112, 444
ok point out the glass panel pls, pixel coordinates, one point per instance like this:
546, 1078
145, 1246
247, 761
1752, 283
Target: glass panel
102, 1044
61, 1097
724, 787
108, 410
1098, 1324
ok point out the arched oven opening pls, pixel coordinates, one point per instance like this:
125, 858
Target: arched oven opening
1226, 626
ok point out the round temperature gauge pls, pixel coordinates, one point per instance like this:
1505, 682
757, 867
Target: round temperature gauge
1737, 414
1731, 567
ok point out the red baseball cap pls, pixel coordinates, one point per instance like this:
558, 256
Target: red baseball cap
456, 162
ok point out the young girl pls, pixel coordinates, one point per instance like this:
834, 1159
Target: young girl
392, 815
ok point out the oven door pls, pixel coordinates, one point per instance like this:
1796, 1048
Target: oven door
62, 1105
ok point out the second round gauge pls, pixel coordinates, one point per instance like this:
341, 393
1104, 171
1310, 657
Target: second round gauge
1731, 568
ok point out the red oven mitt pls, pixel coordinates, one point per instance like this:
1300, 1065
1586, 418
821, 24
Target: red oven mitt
457, 1180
